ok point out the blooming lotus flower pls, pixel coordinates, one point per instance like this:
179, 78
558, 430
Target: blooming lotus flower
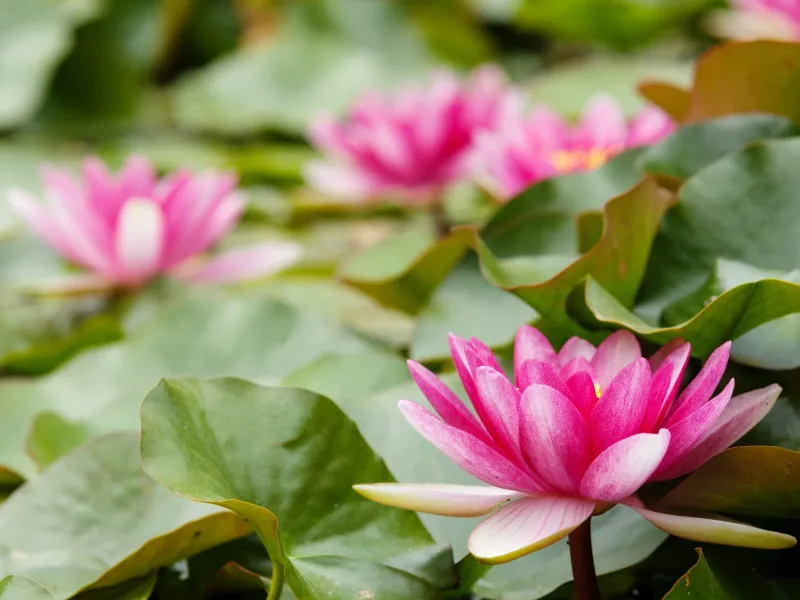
129, 229
526, 148
759, 19
578, 431
410, 144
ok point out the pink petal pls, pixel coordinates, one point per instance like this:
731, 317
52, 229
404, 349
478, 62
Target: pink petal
468, 452
701, 387
102, 190
326, 134
446, 403
542, 373
714, 529
438, 498
243, 264
582, 392
458, 352
525, 526
220, 221
624, 467
554, 437
336, 180
617, 351
659, 395
687, 432
603, 123
621, 408
577, 365
530, 344
575, 347
739, 417
675, 353
138, 177
139, 238
479, 354
651, 125
498, 407
38, 220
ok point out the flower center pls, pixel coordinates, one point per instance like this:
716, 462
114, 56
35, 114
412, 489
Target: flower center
568, 161
597, 391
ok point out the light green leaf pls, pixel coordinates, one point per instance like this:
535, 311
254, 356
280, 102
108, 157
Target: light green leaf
211, 335
95, 519
14, 587
467, 305
328, 52
285, 459
404, 270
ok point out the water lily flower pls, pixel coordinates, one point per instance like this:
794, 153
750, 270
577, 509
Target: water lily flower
408, 145
758, 19
579, 431
129, 229
527, 147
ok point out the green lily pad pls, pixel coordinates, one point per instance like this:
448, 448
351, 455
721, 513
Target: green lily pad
403, 271
618, 260
214, 334
285, 459
697, 145
326, 54
14, 587
467, 305
34, 37
746, 77
761, 481
135, 589
94, 519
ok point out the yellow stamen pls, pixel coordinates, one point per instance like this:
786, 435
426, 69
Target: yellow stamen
597, 391
567, 161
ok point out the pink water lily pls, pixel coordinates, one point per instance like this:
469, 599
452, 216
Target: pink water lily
129, 229
759, 19
579, 431
529, 146
409, 144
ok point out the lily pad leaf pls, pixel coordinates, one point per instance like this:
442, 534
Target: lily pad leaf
672, 99
697, 145
70, 530
467, 305
232, 443
403, 271
745, 77
618, 260
15, 587
761, 481
216, 333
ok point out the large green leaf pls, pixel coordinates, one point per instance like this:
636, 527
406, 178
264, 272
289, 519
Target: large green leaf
403, 271
327, 52
95, 519
34, 37
761, 481
14, 587
467, 305
285, 459
210, 335
618, 260
368, 386
697, 145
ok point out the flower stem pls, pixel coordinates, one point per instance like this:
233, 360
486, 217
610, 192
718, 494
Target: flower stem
580, 553
276, 585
